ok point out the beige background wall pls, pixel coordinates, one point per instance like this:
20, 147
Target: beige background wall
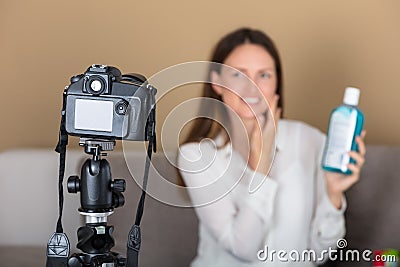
325, 46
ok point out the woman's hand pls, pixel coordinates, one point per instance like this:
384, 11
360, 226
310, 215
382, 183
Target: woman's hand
338, 183
262, 138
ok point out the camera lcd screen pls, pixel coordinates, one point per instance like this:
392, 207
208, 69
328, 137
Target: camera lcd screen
94, 115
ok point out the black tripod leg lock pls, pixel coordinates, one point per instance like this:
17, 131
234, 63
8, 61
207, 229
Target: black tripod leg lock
57, 250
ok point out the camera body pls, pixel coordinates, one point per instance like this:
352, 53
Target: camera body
103, 103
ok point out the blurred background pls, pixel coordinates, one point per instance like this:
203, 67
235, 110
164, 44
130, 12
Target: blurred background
325, 46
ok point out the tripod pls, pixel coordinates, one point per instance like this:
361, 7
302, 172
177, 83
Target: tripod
99, 195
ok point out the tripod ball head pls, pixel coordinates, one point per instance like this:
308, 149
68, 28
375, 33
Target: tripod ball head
99, 193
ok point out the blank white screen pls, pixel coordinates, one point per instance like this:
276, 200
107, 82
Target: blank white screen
94, 115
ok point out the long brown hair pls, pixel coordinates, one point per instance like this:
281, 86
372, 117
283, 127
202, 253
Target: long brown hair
209, 128
204, 127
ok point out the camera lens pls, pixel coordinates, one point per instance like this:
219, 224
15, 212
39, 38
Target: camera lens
95, 85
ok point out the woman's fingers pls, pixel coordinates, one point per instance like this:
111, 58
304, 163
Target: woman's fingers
273, 113
355, 169
360, 143
255, 138
358, 157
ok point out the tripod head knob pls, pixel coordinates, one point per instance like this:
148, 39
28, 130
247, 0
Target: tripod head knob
118, 185
73, 184
117, 199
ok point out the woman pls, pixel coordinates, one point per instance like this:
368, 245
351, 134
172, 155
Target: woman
294, 206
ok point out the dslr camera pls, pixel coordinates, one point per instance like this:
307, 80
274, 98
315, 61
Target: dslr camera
103, 103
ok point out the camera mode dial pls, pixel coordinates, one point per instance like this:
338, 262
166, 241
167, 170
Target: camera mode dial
76, 78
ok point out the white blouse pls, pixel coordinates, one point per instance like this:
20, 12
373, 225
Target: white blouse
288, 211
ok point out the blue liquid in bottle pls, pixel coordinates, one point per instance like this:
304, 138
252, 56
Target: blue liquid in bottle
346, 122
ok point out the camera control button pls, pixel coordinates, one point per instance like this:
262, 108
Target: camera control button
121, 107
76, 78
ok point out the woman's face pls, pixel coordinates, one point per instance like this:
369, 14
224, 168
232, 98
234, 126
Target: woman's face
250, 84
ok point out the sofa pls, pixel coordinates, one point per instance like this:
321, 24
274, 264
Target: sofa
29, 210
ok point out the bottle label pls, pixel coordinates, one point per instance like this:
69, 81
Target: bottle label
340, 138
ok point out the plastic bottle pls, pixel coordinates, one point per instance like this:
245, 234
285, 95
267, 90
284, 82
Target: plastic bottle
346, 122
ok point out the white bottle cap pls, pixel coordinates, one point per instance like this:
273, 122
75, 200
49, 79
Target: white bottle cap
351, 96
